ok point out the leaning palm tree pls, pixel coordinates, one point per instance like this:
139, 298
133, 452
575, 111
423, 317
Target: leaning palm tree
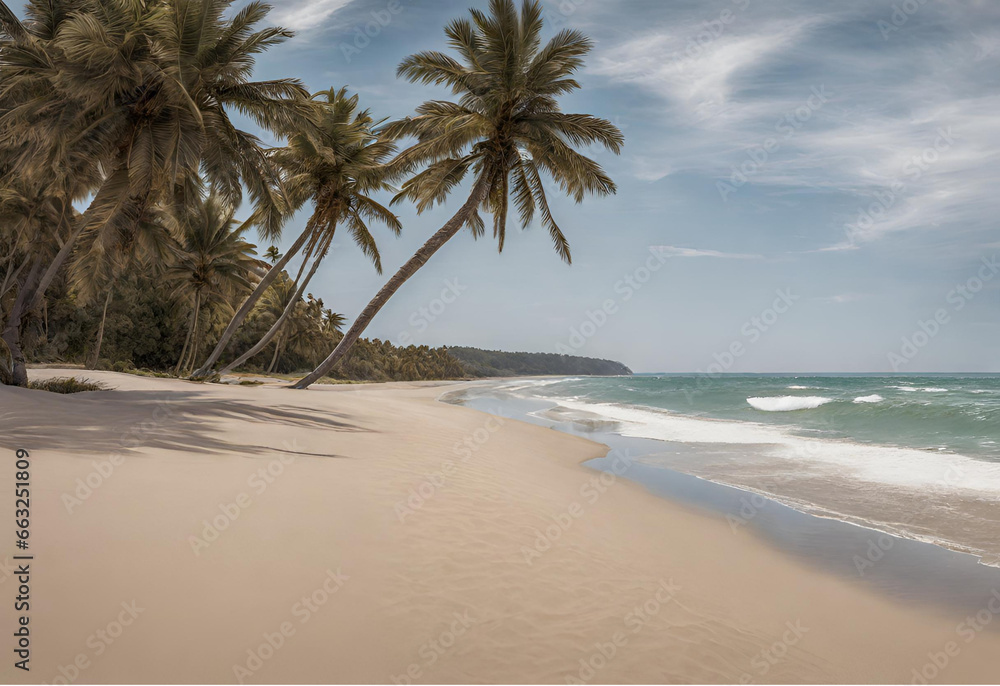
142, 91
37, 217
337, 161
272, 307
213, 264
506, 129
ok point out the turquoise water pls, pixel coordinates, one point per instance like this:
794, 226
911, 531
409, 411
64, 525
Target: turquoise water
959, 414
915, 456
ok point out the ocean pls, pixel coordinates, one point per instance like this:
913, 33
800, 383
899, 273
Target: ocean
917, 457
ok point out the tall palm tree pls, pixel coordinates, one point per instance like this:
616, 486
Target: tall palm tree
102, 257
142, 90
507, 128
338, 161
213, 264
37, 199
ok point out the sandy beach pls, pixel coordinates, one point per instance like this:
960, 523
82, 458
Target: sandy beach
369, 533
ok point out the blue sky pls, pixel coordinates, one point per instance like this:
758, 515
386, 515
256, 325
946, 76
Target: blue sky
811, 185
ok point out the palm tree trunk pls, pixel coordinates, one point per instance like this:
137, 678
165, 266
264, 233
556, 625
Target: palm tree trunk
276, 327
10, 278
274, 358
38, 291
96, 356
248, 304
187, 341
64, 252
193, 352
419, 259
11, 335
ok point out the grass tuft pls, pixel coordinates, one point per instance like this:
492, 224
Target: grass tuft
67, 385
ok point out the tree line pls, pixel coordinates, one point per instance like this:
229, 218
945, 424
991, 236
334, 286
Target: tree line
122, 173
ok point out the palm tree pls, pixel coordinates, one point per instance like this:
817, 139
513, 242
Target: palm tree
337, 162
332, 322
309, 329
272, 254
34, 217
213, 264
102, 257
273, 305
142, 91
507, 128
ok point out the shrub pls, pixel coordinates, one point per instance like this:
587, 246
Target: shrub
67, 385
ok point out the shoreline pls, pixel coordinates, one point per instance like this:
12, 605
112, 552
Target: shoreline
892, 563
456, 572
753, 457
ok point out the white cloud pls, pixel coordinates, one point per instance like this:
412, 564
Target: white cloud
717, 103
842, 298
699, 77
674, 251
307, 14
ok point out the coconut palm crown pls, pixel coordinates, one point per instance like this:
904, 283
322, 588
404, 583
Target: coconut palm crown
507, 127
338, 160
506, 131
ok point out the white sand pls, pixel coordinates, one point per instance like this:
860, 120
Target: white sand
446, 595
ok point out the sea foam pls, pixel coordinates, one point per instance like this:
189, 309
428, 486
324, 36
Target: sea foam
912, 468
874, 398
788, 403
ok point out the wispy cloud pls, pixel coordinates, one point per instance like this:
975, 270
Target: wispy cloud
675, 251
699, 77
842, 298
302, 15
716, 94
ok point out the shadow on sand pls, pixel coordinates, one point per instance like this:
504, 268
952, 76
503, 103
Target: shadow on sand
113, 421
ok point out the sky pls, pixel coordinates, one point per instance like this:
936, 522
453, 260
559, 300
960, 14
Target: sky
805, 186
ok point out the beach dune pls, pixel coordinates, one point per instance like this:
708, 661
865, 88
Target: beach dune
368, 533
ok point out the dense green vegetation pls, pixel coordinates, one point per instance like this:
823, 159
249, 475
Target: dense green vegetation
478, 362
146, 327
122, 175
144, 332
